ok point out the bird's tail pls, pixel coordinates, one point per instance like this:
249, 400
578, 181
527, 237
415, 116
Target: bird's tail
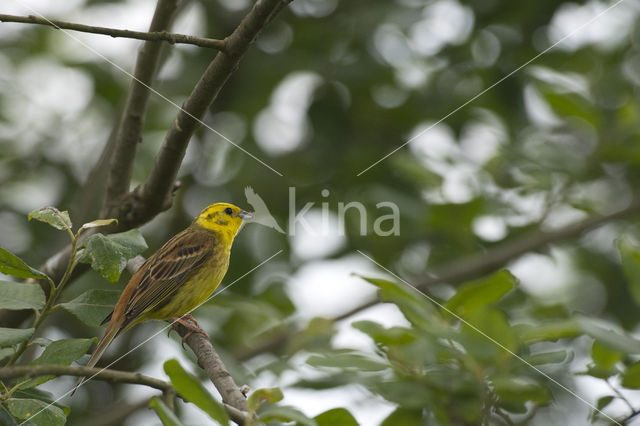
109, 335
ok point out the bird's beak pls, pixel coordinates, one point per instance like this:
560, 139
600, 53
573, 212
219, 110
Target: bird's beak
245, 215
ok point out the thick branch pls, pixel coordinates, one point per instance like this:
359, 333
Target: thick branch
155, 192
210, 361
152, 35
499, 256
130, 128
474, 266
100, 374
123, 146
144, 203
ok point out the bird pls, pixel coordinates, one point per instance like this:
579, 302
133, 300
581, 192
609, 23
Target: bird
261, 213
177, 278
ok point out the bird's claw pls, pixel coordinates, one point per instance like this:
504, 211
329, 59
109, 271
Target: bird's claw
190, 324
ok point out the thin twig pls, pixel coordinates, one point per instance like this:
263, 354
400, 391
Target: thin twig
156, 191
93, 372
172, 38
129, 132
211, 363
142, 204
627, 419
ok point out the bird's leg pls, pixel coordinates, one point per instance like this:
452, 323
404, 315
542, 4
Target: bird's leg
190, 324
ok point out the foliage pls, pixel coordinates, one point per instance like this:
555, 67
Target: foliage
497, 157
17, 296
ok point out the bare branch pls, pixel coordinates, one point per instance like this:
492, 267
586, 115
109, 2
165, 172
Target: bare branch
107, 375
130, 128
121, 149
152, 35
473, 266
156, 191
94, 372
210, 361
499, 256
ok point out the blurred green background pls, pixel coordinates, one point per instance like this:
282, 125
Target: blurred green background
330, 88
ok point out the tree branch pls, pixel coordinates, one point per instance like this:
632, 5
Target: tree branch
499, 256
94, 372
629, 418
473, 266
233, 399
115, 376
210, 362
156, 191
130, 129
120, 151
142, 204
152, 35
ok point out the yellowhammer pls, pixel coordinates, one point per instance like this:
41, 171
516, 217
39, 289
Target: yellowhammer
178, 277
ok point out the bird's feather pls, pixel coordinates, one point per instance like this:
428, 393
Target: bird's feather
167, 269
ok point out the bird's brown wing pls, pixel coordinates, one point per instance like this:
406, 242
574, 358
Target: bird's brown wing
167, 269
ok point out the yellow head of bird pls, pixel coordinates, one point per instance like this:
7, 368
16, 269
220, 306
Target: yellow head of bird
223, 218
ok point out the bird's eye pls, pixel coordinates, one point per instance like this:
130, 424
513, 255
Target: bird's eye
228, 211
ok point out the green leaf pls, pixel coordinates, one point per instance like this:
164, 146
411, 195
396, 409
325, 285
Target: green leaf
604, 401
403, 416
493, 324
13, 336
11, 264
64, 351
480, 293
414, 305
98, 223
604, 356
5, 352
167, 417
631, 378
283, 413
617, 341
412, 395
550, 331
570, 104
599, 372
520, 389
555, 357
108, 255
260, 396
630, 256
17, 296
37, 412
7, 419
52, 216
193, 391
60, 352
335, 416
347, 360
92, 306
387, 336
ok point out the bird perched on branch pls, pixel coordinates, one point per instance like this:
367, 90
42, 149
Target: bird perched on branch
178, 277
